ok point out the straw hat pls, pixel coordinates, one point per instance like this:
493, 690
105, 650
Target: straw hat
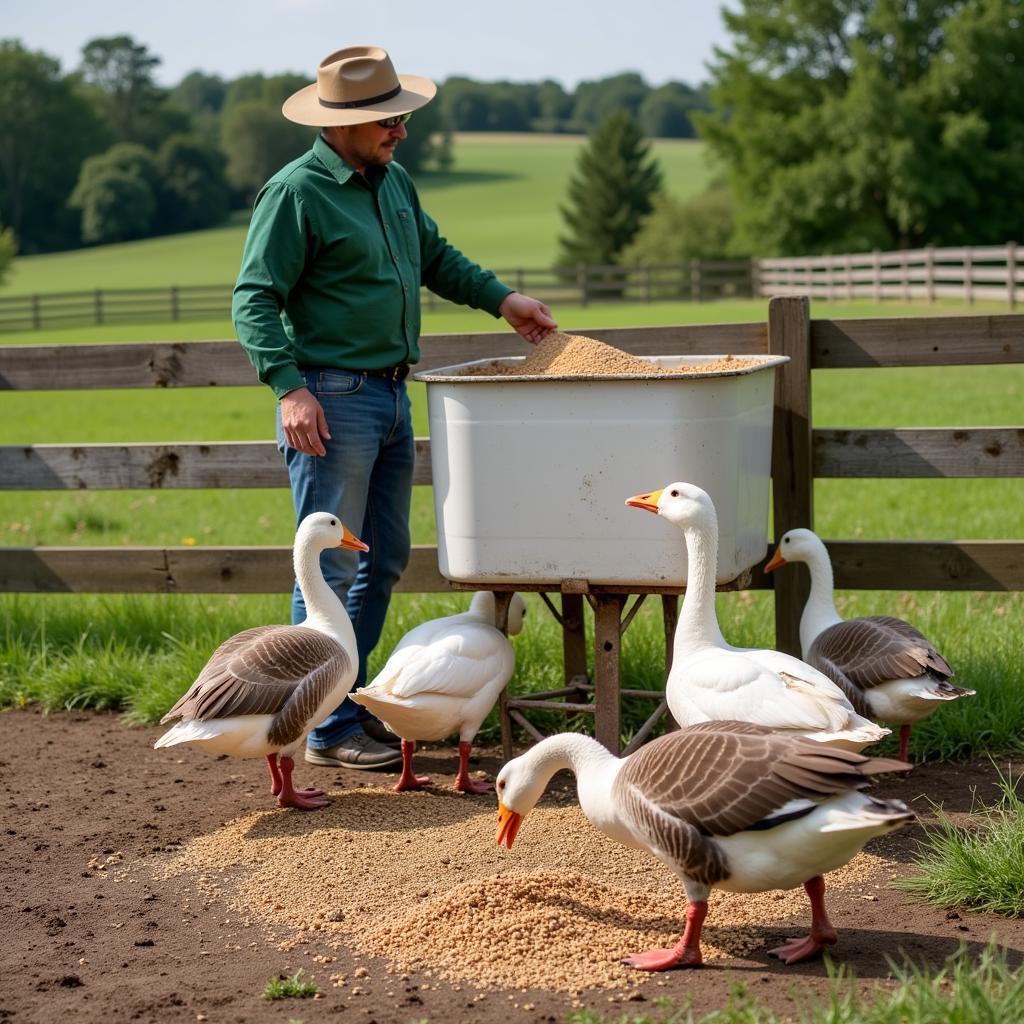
356, 85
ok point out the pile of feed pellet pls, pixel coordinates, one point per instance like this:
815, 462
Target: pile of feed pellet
417, 878
575, 355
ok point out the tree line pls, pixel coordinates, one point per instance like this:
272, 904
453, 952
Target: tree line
833, 125
103, 153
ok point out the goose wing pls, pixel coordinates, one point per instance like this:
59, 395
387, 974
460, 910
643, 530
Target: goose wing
765, 687
721, 778
876, 649
455, 664
284, 671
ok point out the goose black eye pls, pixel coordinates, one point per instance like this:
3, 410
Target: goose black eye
675, 494
334, 522
501, 784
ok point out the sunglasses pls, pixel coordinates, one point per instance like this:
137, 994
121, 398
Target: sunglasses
394, 122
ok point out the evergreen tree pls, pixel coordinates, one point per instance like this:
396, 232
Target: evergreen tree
612, 190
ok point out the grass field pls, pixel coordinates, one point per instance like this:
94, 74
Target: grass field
499, 205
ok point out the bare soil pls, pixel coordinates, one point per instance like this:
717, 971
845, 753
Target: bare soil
95, 928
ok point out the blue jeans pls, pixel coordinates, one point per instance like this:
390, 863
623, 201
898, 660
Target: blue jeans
366, 480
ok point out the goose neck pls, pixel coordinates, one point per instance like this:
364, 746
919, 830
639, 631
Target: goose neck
698, 621
820, 611
324, 609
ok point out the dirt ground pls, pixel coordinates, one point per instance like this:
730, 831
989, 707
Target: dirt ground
90, 813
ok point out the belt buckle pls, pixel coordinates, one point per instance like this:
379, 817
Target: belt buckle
399, 372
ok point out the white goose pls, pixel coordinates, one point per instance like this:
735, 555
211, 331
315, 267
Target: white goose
724, 804
887, 668
711, 680
443, 677
264, 689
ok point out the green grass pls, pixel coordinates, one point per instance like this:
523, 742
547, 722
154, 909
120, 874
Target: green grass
966, 990
978, 865
289, 988
499, 205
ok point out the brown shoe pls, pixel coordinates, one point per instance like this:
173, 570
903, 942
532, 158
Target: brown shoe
377, 730
355, 751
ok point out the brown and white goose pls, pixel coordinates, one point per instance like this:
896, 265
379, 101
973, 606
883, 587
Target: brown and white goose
723, 804
265, 688
887, 668
711, 680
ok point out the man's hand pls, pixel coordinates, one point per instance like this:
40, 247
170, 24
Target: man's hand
530, 318
302, 418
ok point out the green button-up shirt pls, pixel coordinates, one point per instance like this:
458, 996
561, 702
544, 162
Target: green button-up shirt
332, 268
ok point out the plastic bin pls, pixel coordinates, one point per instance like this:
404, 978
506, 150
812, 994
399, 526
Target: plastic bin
530, 474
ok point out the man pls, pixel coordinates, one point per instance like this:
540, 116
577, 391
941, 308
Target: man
327, 309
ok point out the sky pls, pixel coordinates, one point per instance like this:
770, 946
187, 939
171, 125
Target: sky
523, 40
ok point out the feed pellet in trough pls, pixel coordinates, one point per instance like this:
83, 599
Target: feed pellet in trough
417, 878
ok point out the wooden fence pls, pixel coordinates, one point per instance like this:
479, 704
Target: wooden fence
696, 281
801, 453
967, 273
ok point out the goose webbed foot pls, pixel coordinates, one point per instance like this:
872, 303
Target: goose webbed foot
685, 954
289, 796
822, 932
409, 780
463, 783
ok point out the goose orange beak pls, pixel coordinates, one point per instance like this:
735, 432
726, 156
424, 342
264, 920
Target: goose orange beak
646, 501
775, 562
350, 540
508, 825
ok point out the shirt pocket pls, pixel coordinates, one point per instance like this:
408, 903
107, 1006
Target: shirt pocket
410, 235
336, 383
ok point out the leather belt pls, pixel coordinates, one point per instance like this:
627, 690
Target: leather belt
396, 373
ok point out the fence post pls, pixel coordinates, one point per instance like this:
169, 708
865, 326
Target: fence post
581, 281
520, 281
37, 320
695, 287
968, 277
929, 271
789, 334
849, 278
877, 268
98, 301
755, 278
647, 283
829, 293
174, 302
905, 272
1011, 274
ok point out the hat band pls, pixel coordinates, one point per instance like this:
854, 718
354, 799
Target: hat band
360, 103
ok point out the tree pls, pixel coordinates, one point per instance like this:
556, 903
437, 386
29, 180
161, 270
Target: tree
858, 124
594, 101
8, 250
258, 142
193, 190
120, 72
676, 231
610, 193
46, 130
117, 194
665, 112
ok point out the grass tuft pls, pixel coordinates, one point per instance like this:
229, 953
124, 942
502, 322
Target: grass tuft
967, 989
290, 988
979, 866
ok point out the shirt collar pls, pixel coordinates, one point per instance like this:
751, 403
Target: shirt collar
339, 167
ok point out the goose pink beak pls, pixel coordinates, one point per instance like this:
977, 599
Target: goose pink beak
646, 501
508, 825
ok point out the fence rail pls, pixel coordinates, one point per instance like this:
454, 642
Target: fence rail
697, 281
968, 273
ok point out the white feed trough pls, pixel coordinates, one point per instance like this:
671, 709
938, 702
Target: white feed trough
531, 473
